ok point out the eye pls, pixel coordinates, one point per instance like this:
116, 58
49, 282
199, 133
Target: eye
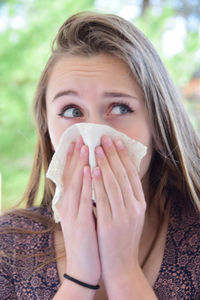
120, 109
71, 112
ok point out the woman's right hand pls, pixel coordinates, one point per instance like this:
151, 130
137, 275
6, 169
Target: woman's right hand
77, 219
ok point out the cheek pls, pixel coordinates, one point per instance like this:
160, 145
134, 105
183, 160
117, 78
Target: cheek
56, 127
55, 132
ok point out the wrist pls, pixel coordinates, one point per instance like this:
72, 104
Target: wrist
82, 275
84, 284
130, 285
70, 290
121, 277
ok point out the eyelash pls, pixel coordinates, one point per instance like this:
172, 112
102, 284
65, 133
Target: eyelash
122, 103
61, 114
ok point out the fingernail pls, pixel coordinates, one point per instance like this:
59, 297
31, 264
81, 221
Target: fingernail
99, 152
71, 148
106, 140
83, 151
119, 144
96, 172
86, 170
79, 142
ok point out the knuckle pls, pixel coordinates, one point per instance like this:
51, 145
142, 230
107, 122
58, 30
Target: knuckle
122, 176
114, 188
139, 209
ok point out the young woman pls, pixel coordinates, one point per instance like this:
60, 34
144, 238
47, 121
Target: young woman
142, 239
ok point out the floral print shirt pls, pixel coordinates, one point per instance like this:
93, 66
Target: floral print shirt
22, 275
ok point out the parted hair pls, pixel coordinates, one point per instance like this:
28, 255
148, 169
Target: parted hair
175, 164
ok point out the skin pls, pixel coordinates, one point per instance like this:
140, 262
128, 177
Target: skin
91, 78
94, 85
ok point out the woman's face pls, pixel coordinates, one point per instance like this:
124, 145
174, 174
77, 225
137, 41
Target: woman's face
98, 90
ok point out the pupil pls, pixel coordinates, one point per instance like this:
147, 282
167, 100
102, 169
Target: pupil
123, 109
76, 112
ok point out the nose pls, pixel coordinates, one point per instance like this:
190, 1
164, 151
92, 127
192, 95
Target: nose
96, 119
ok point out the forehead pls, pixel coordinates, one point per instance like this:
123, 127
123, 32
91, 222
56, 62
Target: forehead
93, 64
100, 70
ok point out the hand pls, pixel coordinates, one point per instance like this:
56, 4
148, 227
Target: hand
76, 214
120, 210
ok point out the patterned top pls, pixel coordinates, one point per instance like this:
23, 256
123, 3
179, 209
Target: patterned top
21, 278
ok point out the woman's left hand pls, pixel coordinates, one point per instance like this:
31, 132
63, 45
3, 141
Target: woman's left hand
120, 209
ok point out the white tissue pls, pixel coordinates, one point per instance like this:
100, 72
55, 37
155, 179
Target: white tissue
91, 134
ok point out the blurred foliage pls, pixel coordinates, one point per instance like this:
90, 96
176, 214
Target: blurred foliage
182, 65
23, 53
185, 63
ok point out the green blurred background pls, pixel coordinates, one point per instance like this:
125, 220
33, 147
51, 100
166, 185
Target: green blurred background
27, 28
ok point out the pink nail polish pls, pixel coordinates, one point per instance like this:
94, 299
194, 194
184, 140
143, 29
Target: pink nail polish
107, 141
119, 144
86, 170
71, 148
99, 152
78, 142
97, 172
83, 151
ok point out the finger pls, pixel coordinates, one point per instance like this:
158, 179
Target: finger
68, 159
117, 167
78, 144
111, 185
85, 208
131, 170
72, 156
102, 203
74, 181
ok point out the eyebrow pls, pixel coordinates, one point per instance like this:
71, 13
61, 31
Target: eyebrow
65, 93
105, 95
117, 95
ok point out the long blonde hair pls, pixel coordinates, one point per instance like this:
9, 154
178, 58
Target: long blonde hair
175, 165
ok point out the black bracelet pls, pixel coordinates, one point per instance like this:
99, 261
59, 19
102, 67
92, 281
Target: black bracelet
93, 287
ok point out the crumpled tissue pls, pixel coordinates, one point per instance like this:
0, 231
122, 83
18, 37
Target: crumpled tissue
91, 134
